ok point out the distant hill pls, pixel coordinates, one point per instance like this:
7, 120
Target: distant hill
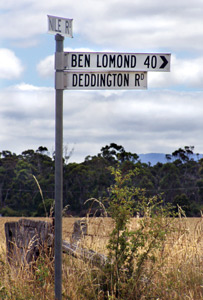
154, 158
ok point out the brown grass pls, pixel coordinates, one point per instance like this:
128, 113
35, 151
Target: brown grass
177, 274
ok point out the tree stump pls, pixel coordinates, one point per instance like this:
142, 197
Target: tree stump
79, 230
74, 247
26, 239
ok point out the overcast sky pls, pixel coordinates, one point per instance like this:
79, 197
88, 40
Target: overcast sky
166, 116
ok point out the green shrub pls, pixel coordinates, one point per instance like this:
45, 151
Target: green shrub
132, 253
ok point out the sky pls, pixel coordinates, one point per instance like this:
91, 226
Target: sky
168, 115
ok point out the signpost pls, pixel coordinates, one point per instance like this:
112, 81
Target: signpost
89, 71
60, 26
116, 61
102, 80
58, 178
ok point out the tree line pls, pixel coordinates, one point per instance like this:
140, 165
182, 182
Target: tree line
27, 180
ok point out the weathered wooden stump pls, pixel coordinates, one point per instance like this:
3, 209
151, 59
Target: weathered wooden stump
26, 238
79, 230
73, 248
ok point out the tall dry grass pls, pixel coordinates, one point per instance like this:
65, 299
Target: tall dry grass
177, 273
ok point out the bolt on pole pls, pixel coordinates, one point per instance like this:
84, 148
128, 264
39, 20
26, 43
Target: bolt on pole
58, 177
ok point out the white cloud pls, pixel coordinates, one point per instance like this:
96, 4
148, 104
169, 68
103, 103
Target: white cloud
141, 121
27, 117
45, 67
25, 87
137, 24
10, 66
23, 23
12, 4
185, 72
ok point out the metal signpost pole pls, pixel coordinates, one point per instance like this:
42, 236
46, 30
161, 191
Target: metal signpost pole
58, 177
89, 71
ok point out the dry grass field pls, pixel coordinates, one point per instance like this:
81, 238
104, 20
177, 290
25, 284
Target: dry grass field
177, 273
100, 228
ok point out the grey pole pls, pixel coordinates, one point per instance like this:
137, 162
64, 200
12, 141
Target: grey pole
58, 178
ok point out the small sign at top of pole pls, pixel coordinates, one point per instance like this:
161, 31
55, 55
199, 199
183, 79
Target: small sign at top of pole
62, 26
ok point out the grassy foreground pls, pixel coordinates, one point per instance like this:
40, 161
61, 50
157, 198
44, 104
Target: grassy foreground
175, 274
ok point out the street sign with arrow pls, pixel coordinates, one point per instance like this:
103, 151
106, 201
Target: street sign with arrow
97, 61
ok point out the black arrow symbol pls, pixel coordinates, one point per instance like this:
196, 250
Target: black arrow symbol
165, 62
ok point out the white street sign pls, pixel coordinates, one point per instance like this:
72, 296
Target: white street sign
59, 25
99, 61
101, 80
